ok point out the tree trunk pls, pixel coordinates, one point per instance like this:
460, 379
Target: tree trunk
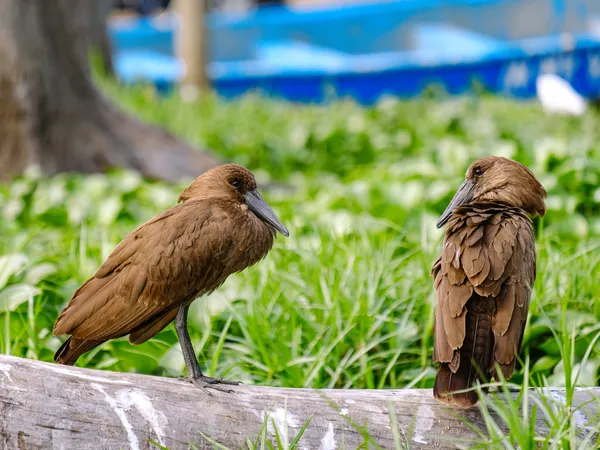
99, 41
52, 115
191, 42
51, 406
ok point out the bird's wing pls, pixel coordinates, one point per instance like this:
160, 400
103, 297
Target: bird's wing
509, 322
151, 327
158, 266
442, 351
489, 254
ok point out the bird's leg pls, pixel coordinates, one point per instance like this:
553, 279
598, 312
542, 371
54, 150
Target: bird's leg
195, 375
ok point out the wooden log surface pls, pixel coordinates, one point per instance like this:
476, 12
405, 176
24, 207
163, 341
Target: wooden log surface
49, 406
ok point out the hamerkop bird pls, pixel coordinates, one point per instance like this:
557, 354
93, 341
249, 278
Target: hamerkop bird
484, 276
222, 226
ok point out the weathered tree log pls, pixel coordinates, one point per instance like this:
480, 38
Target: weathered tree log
52, 115
46, 405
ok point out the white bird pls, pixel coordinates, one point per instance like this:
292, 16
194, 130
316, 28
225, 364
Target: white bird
557, 96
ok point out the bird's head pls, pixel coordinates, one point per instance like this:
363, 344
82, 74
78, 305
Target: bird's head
500, 180
234, 183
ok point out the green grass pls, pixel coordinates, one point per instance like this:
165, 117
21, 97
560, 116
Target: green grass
347, 299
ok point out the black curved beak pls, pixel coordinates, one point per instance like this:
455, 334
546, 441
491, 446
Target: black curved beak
263, 211
463, 195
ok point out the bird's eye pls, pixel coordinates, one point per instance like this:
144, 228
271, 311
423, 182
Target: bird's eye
478, 171
236, 183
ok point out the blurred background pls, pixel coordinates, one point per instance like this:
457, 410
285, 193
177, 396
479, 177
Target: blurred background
307, 50
359, 120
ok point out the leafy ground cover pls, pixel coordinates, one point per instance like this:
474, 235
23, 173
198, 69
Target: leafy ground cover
347, 299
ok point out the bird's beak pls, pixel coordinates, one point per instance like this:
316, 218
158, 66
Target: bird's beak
463, 195
263, 211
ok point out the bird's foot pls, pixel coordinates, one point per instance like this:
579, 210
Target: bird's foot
218, 384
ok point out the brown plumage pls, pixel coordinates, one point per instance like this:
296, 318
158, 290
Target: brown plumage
221, 226
484, 276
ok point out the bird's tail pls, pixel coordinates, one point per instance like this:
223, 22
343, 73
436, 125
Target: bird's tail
447, 382
72, 349
474, 364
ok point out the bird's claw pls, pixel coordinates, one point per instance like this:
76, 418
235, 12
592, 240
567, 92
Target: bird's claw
203, 382
209, 380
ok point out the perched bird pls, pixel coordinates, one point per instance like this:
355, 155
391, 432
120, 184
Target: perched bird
221, 226
484, 276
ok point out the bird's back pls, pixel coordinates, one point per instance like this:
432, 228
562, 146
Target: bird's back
483, 282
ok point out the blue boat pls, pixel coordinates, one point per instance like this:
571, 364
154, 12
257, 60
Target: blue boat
366, 51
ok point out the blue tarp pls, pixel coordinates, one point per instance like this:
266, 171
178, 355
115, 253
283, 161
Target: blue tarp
366, 51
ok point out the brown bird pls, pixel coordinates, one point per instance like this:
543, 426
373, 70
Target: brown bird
222, 226
484, 276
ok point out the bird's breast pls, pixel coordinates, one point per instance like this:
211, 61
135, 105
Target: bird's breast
243, 243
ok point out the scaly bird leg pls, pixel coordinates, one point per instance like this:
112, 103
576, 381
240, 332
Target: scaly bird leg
195, 375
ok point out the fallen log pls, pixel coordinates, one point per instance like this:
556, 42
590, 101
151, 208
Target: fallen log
45, 405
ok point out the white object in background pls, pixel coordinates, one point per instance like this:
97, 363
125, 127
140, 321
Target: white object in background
558, 97
593, 26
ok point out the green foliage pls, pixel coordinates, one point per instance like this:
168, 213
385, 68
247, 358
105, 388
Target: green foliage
347, 299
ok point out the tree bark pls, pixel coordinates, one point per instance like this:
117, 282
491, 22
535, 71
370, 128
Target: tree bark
46, 405
99, 40
52, 115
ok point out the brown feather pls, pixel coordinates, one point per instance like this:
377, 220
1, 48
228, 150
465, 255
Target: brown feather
455, 363
475, 237
456, 275
458, 297
442, 351
72, 349
469, 256
482, 274
447, 381
507, 345
454, 326
150, 329
504, 314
